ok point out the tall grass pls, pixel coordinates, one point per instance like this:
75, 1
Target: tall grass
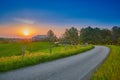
14, 62
110, 70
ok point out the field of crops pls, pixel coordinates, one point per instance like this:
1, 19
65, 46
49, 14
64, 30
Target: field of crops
110, 70
35, 53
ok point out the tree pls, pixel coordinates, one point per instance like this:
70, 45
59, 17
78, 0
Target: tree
63, 40
115, 34
106, 36
51, 39
87, 35
96, 37
119, 41
71, 35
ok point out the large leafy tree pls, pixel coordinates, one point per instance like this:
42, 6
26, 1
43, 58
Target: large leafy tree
96, 37
115, 34
86, 35
106, 36
71, 35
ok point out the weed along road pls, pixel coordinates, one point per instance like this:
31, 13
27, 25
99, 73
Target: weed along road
77, 67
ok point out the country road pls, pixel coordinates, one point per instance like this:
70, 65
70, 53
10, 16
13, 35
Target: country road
77, 67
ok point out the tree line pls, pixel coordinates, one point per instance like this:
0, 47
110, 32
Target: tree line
89, 35
100, 36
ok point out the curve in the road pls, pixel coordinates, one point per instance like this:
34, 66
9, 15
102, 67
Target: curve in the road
76, 67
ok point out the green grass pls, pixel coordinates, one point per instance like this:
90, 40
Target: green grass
11, 49
39, 56
110, 70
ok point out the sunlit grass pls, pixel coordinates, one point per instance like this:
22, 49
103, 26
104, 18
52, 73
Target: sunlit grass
110, 70
11, 49
14, 62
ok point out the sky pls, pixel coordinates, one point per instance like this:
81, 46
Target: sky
38, 16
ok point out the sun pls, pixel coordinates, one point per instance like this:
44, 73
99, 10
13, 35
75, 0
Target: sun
26, 32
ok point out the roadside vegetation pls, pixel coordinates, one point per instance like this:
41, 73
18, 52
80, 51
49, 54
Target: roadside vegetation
17, 61
110, 70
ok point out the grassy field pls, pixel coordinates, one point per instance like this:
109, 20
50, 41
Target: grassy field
11, 49
110, 70
36, 53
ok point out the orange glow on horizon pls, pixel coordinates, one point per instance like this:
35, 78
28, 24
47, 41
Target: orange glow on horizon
26, 32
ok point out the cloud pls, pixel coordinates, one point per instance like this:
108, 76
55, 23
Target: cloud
26, 21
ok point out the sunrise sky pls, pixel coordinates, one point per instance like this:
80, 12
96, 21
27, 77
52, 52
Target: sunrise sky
38, 16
